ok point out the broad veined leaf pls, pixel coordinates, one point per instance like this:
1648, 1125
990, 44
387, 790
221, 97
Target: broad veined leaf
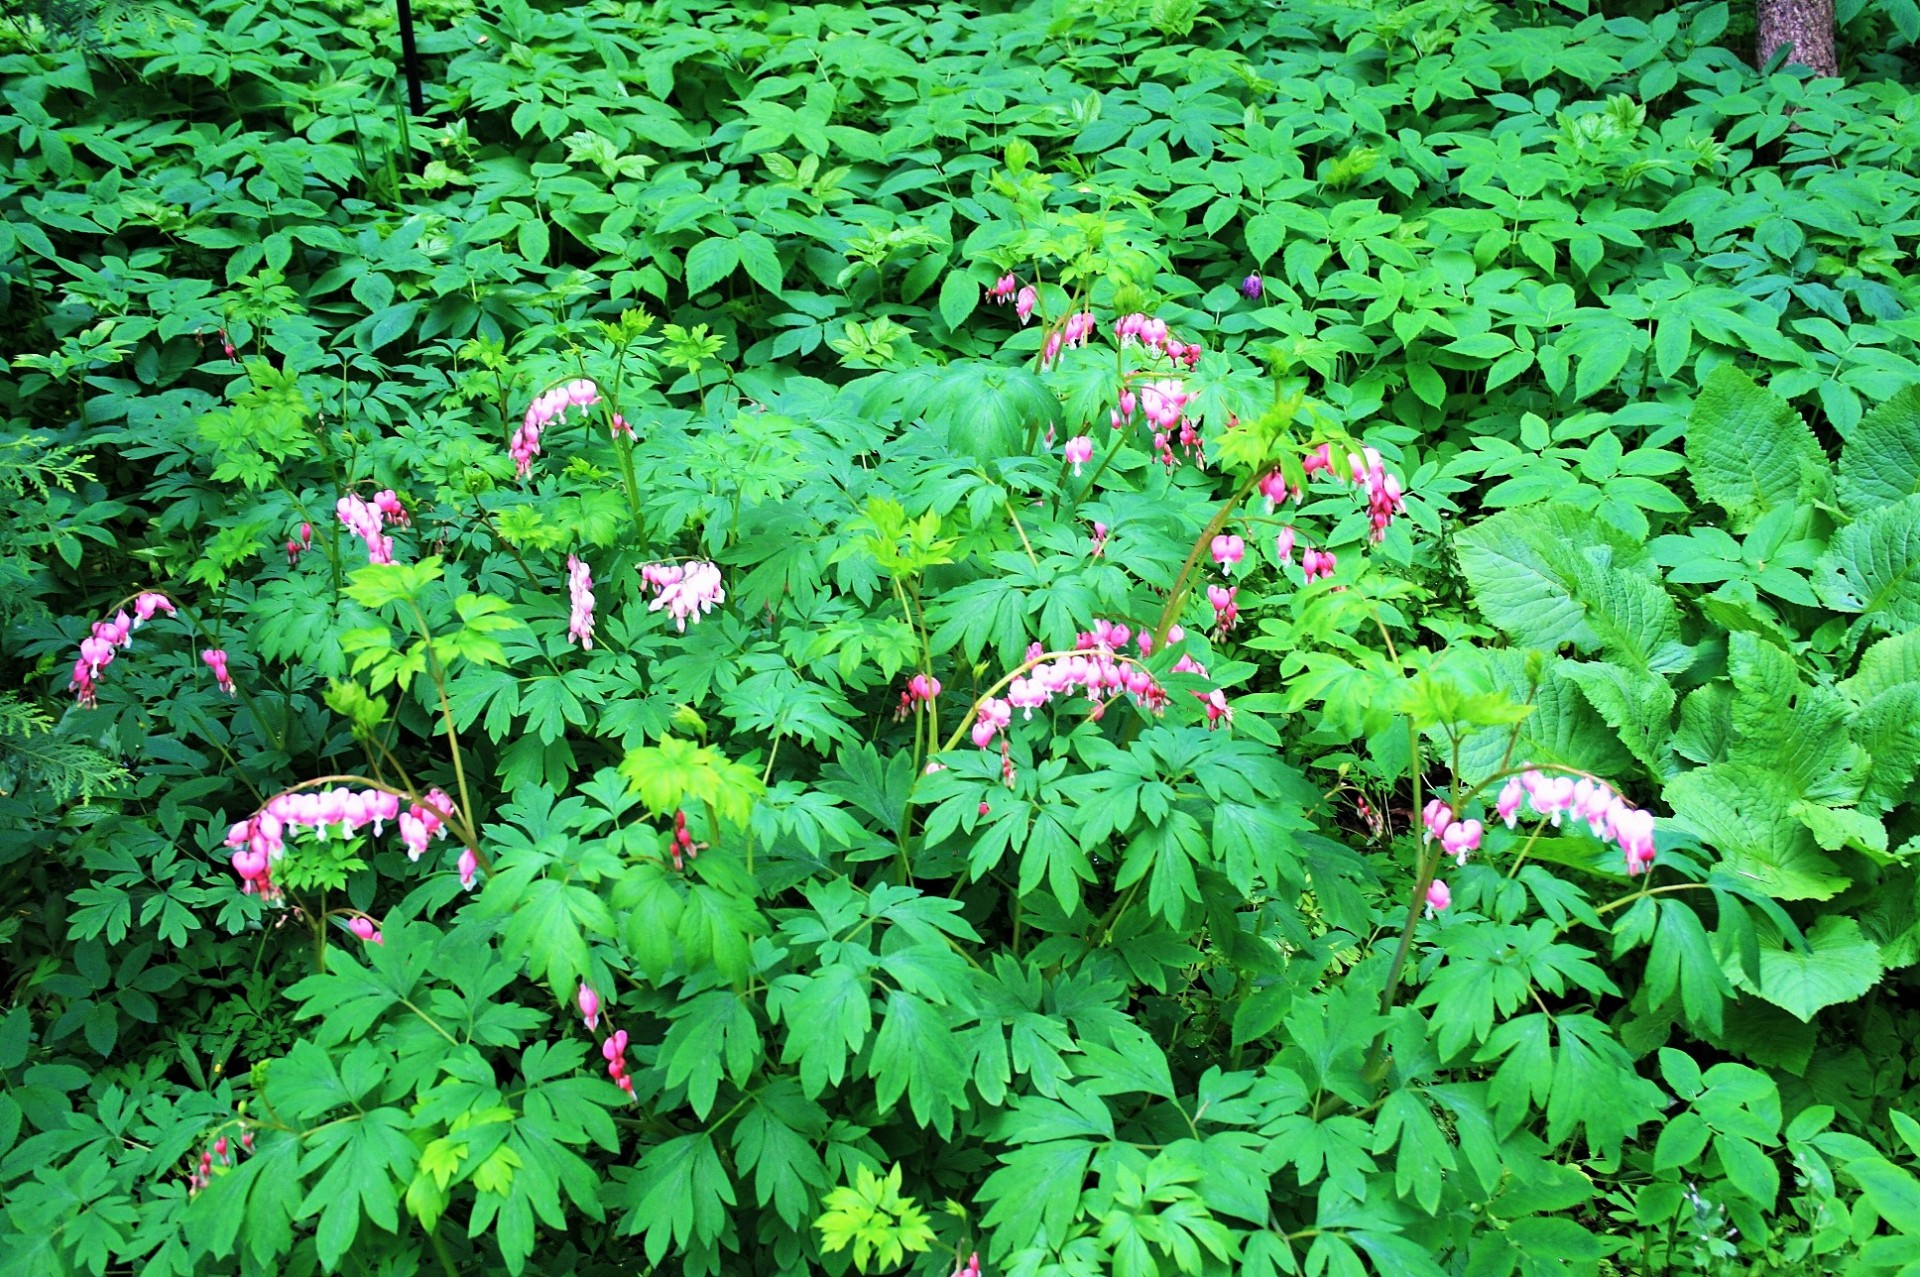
1881, 461
1873, 567
1744, 813
1748, 451
1530, 570
1840, 964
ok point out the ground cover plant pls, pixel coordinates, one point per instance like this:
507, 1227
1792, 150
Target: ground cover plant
1131, 636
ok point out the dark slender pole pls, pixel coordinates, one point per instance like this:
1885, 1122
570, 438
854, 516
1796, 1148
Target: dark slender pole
410, 58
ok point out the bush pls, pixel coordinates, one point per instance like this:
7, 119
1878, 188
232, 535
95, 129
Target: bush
1137, 638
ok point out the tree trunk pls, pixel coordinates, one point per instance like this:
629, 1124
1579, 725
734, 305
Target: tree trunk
1806, 26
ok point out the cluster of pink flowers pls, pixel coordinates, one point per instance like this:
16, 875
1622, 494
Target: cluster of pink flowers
1075, 331
545, 410
684, 847
1365, 468
1165, 404
297, 546
580, 592
368, 520
1079, 451
220, 1154
685, 590
617, 426
1610, 817
1217, 710
1154, 335
921, 689
217, 662
260, 840
1094, 666
1316, 564
365, 928
614, 1049
1459, 838
97, 650
1226, 608
1003, 289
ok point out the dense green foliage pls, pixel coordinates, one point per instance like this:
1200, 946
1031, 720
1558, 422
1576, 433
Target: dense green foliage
1143, 986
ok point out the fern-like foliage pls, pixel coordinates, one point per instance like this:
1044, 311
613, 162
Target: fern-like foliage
36, 765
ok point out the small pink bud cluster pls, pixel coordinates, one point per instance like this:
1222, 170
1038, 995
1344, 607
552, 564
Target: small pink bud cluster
368, 520
1123, 415
684, 847
98, 649
1316, 564
1074, 332
217, 662
1459, 838
685, 590
617, 426
299, 545
614, 1049
548, 409
1226, 610
1003, 289
218, 1154
921, 689
1099, 541
1079, 451
1154, 335
580, 594
1610, 817
365, 928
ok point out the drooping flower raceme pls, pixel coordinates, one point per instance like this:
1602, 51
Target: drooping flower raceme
1610, 817
580, 593
548, 408
366, 520
260, 840
685, 590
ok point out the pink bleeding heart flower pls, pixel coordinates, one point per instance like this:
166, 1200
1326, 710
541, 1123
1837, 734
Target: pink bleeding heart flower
589, 1003
1228, 550
1079, 451
1438, 897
